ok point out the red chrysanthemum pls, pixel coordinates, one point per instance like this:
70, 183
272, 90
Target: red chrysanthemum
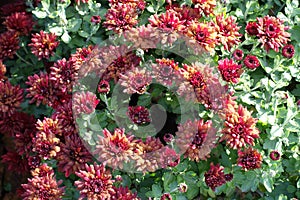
204, 34
11, 97
168, 21
251, 62
73, 155
185, 13
272, 33
20, 22
43, 186
13, 7
230, 70
228, 31
64, 115
275, 155
18, 122
23, 141
288, 51
103, 87
115, 148
84, 102
43, 44
9, 44
239, 127
15, 162
120, 17
165, 72
205, 6
2, 71
249, 159
215, 176
166, 196
96, 19
252, 28
62, 75
41, 91
238, 54
123, 193
135, 81
139, 115
46, 142
95, 182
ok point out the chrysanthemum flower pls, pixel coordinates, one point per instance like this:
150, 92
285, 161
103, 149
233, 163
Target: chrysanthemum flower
63, 74
206, 6
182, 187
20, 22
96, 19
64, 115
43, 44
46, 142
166, 71
13, 7
42, 170
215, 176
120, 17
9, 44
252, 28
272, 33
11, 97
228, 31
15, 162
23, 142
135, 81
168, 21
34, 161
238, 54
80, 56
204, 33
121, 65
18, 122
123, 193
103, 87
138, 115
166, 196
249, 159
251, 62
185, 13
73, 155
84, 102
239, 128
115, 148
230, 70
288, 51
39, 89
275, 155
43, 187
95, 182
202, 139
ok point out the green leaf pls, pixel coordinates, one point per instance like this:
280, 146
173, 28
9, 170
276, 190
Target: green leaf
45, 4
74, 24
66, 37
83, 34
168, 178
156, 190
276, 131
40, 14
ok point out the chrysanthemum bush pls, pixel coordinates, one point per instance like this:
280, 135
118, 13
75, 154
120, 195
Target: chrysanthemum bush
146, 99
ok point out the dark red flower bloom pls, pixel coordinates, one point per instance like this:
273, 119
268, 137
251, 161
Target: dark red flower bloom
215, 176
2, 71
11, 97
288, 51
9, 44
139, 115
166, 71
84, 102
15, 162
251, 62
275, 155
168, 137
238, 54
103, 87
228, 177
229, 70
251, 28
34, 161
23, 141
205, 6
182, 187
272, 33
249, 159
43, 44
96, 19
166, 196
168, 21
20, 22
95, 182
13, 7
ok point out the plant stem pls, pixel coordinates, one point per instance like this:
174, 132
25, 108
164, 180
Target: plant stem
25, 61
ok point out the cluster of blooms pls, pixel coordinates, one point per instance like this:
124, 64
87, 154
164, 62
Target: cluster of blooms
215, 176
123, 14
